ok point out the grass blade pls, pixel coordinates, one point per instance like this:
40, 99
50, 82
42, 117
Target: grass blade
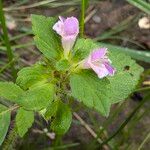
141, 4
136, 54
6, 39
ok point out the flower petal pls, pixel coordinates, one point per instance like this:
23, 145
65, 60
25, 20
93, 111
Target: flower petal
101, 70
59, 28
67, 44
110, 69
71, 26
98, 53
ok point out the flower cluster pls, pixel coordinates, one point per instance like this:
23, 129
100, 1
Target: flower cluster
98, 61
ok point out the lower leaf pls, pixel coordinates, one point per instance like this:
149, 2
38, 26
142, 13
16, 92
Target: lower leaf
4, 122
24, 120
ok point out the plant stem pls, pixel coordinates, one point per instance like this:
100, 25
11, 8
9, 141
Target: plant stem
11, 139
82, 18
6, 39
126, 121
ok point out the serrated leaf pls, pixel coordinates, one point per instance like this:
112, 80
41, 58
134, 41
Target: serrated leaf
63, 119
38, 97
62, 65
24, 120
125, 79
92, 91
10, 91
30, 76
4, 122
46, 40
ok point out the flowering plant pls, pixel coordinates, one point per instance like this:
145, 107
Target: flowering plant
71, 68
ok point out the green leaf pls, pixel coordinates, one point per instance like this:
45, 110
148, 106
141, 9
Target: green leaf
92, 91
62, 119
51, 109
98, 93
24, 120
10, 91
38, 97
47, 41
126, 78
33, 75
141, 4
4, 122
62, 65
82, 49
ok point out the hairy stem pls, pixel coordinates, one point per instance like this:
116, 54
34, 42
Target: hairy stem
9, 143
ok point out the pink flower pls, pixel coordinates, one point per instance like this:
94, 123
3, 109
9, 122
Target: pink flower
68, 29
99, 62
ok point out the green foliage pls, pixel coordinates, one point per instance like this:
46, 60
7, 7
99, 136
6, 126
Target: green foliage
82, 49
98, 93
38, 97
141, 4
24, 120
126, 78
46, 39
86, 3
10, 91
92, 91
4, 122
36, 74
136, 54
62, 117
51, 109
62, 65
45, 84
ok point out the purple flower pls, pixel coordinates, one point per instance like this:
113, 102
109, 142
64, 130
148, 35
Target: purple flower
99, 62
68, 29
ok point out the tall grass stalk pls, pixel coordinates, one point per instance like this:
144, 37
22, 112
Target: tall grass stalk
82, 18
6, 40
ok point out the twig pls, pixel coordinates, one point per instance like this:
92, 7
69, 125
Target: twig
144, 141
91, 14
146, 83
87, 127
29, 6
